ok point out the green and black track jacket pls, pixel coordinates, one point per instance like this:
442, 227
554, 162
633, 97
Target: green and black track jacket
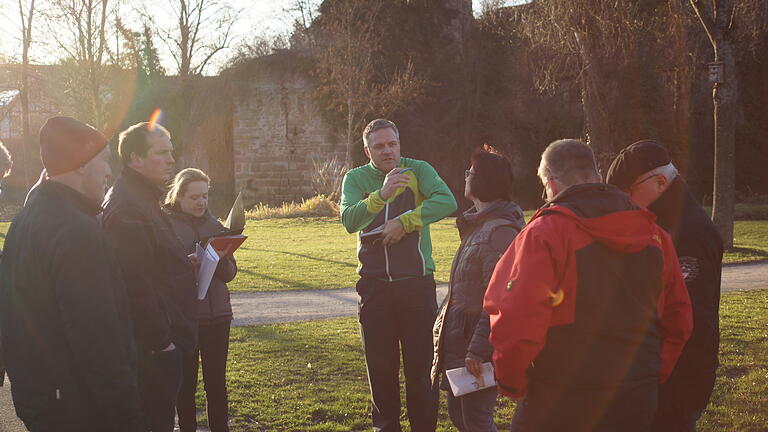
425, 200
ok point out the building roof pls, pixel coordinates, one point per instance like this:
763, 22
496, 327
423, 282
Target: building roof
7, 96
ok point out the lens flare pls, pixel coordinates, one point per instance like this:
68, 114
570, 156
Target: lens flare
155, 118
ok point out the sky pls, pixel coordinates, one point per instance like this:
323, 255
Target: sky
263, 18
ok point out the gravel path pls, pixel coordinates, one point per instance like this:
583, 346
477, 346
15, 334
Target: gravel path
252, 308
287, 306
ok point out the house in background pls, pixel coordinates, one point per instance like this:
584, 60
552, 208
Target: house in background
26, 161
40, 105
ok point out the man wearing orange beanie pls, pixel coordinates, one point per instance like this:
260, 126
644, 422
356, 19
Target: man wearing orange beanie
67, 339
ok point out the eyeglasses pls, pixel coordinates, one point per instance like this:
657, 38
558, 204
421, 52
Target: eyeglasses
544, 191
638, 183
468, 173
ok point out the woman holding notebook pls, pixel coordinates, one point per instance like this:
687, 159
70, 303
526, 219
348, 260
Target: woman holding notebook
187, 207
461, 329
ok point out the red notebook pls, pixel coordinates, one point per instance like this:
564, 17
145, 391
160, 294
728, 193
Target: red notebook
223, 242
232, 236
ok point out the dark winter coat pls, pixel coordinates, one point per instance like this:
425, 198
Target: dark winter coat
67, 337
159, 276
461, 325
215, 307
700, 251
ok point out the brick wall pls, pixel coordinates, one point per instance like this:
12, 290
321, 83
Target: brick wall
277, 132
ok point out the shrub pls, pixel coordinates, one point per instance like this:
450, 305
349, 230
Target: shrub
317, 206
327, 176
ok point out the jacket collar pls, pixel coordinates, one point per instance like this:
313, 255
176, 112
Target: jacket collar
668, 207
52, 189
380, 173
589, 200
176, 213
499, 209
147, 189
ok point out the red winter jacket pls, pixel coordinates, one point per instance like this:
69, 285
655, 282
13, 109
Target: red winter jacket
588, 296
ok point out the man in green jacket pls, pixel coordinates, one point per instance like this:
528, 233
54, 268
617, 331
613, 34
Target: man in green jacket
391, 201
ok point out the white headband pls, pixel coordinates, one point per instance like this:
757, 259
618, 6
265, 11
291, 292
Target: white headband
668, 171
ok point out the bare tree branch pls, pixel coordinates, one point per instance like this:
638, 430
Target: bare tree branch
203, 29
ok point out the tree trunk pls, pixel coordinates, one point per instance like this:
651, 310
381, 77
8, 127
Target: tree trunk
681, 96
596, 90
26, 135
26, 41
350, 161
724, 98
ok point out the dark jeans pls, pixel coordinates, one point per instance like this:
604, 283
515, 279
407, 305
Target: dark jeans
473, 412
159, 382
213, 347
550, 409
395, 315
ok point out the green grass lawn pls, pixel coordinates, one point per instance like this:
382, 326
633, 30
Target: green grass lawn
311, 376
750, 242
316, 253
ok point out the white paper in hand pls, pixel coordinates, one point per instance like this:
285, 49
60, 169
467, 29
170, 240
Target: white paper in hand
463, 382
209, 260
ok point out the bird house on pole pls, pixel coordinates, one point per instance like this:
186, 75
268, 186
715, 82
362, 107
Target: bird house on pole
716, 72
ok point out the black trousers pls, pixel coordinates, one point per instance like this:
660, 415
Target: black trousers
395, 315
213, 347
548, 408
673, 415
159, 382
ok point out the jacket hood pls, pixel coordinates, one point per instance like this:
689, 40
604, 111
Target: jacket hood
500, 209
607, 214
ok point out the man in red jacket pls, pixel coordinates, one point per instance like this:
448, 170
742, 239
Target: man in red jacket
588, 307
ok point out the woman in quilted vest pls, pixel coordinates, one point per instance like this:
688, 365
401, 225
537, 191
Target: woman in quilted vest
462, 328
187, 208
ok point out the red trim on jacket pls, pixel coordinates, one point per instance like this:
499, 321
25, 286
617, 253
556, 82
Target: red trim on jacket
541, 261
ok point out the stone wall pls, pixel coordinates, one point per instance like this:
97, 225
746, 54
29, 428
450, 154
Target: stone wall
277, 133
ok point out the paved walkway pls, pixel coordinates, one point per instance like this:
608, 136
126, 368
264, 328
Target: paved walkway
252, 308
287, 306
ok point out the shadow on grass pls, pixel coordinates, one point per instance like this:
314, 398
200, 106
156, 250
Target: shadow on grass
286, 282
313, 258
287, 377
749, 251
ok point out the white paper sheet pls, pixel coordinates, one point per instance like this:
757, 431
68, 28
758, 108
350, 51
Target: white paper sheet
463, 382
209, 260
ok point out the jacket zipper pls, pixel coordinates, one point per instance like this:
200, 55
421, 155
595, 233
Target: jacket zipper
386, 252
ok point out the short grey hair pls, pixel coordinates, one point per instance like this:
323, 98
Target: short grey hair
569, 161
377, 125
6, 163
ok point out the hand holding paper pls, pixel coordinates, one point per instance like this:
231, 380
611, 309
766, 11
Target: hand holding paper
474, 365
208, 259
463, 382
